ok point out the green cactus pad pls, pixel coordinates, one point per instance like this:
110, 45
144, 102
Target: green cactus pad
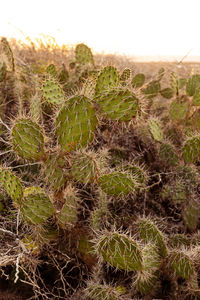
76, 123
167, 93
155, 129
149, 232
146, 282
2, 71
175, 191
138, 80
68, 215
52, 92
27, 139
178, 240
51, 69
126, 74
117, 183
179, 109
12, 185
121, 105
152, 89
139, 174
83, 54
192, 85
168, 155
181, 265
63, 75
55, 169
196, 98
191, 214
36, 207
191, 150
120, 251
108, 79
7, 54
84, 168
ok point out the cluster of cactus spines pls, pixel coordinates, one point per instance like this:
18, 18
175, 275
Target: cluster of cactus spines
71, 165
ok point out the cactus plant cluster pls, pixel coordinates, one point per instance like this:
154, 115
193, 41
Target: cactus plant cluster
95, 170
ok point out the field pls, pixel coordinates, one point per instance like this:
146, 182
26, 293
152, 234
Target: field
99, 175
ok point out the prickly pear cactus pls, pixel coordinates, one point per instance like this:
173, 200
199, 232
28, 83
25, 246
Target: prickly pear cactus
117, 183
108, 79
181, 264
85, 168
36, 207
52, 92
149, 232
121, 105
68, 215
83, 54
12, 185
7, 55
138, 80
27, 139
75, 123
120, 251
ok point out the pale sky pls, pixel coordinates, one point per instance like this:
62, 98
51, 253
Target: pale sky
132, 27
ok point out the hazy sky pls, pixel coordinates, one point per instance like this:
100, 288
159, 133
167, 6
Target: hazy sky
135, 27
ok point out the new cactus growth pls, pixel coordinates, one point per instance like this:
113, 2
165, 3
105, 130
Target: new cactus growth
27, 139
76, 123
120, 251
